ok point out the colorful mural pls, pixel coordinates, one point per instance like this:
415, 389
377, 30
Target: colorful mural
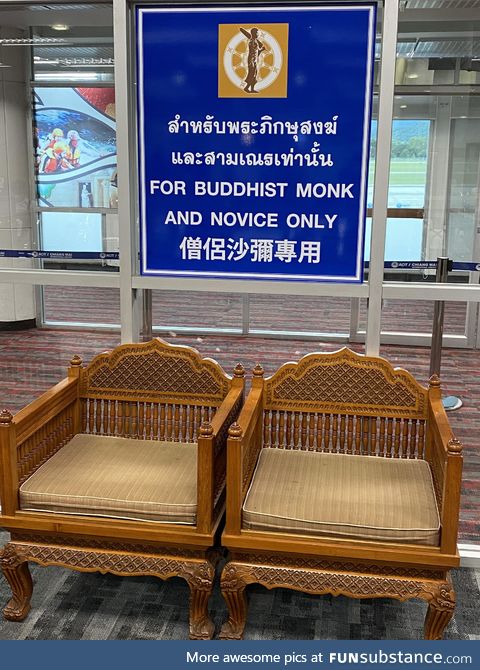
75, 147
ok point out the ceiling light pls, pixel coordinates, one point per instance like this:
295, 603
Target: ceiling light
27, 41
66, 76
60, 26
46, 61
403, 106
412, 76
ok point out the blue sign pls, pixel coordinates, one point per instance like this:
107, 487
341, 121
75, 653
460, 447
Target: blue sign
254, 140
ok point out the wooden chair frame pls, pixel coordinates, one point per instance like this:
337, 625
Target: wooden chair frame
340, 566
153, 390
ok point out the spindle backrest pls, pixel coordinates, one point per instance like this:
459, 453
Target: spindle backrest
344, 402
153, 390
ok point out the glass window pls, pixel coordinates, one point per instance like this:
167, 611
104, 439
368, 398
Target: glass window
300, 314
189, 310
79, 305
464, 185
407, 186
71, 231
416, 317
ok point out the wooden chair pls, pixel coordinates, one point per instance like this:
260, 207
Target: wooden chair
343, 477
120, 468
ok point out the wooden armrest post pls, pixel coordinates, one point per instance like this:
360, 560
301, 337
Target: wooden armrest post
444, 453
8, 464
233, 521
209, 435
451, 496
205, 478
75, 371
238, 436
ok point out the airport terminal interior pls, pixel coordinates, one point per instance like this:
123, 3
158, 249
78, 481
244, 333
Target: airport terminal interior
71, 284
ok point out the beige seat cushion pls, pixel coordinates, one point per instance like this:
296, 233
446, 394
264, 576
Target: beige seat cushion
358, 497
117, 477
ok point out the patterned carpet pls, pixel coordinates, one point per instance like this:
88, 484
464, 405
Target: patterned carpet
69, 605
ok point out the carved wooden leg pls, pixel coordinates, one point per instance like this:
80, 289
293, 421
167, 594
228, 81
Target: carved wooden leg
200, 581
233, 591
440, 611
16, 572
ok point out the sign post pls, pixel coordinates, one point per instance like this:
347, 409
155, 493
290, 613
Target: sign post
254, 134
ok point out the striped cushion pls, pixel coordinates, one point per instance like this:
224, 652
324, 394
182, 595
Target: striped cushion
358, 497
117, 477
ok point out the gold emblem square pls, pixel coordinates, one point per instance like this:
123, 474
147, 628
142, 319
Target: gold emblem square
233, 31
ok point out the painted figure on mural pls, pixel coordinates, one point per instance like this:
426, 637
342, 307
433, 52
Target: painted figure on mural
255, 48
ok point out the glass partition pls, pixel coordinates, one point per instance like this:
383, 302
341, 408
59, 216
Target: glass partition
58, 63
92, 307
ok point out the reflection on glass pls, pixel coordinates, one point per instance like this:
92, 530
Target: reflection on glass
464, 188
72, 231
407, 189
425, 71
404, 241
75, 147
408, 166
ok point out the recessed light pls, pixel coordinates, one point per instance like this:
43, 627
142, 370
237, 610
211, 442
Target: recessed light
67, 76
60, 26
27, 41
412, 76
403, 106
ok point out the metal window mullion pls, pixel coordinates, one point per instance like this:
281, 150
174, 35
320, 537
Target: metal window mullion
382, 171
471, 319
354, 318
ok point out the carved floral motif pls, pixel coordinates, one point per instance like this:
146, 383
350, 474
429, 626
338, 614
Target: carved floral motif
154, 367
369, 384
236, 576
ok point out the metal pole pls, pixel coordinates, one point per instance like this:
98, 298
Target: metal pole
438, 314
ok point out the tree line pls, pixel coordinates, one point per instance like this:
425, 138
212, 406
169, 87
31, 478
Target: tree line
414, 147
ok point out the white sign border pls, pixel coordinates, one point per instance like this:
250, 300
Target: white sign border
371, 8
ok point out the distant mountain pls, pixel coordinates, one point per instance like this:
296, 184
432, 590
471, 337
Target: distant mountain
409, 138
404, 129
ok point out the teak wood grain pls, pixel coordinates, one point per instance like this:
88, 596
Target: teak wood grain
152, 390
342, 403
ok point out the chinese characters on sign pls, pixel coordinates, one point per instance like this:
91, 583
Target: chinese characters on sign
254, 137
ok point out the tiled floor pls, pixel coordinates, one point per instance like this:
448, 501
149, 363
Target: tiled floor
32, 360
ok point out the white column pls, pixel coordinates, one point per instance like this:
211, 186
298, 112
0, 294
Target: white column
17, 302
382, 170
127, 231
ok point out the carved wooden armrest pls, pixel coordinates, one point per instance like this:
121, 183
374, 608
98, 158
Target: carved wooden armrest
212, 452
244, 444
33, 435
444, 455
